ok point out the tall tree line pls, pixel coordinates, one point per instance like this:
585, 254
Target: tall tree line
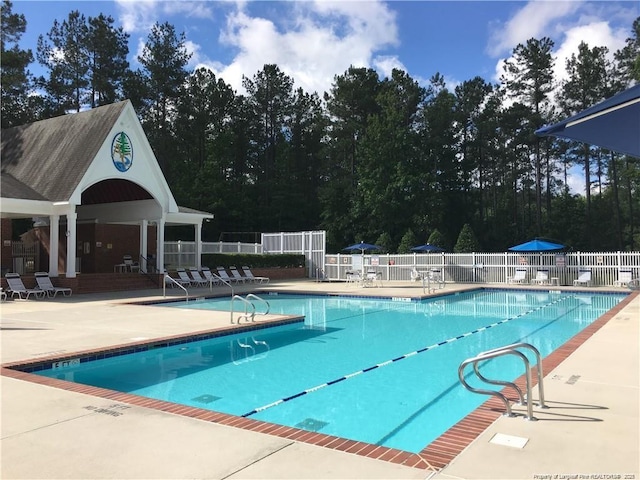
374, 159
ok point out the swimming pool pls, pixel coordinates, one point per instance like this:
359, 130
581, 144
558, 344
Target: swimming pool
333, 372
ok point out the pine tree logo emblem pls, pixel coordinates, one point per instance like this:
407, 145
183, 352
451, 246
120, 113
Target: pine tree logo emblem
122, 152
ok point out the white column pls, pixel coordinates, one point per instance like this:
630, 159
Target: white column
72, 216
160, 243
54, 233
143, 245
198, 245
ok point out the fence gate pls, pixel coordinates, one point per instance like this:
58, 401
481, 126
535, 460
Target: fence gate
310, 244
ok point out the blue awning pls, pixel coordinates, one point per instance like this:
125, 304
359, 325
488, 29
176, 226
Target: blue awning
613, 124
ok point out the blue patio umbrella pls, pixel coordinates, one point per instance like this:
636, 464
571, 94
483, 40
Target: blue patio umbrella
362, 247
612, 124
427, 248
537, 245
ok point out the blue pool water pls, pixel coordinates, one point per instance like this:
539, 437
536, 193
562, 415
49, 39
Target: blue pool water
340, 355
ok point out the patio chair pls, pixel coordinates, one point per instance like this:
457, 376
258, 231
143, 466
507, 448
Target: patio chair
196, 278
625, 275
182, 275
171, 282
584, 277
542, 277
3, 294
354, 276
252, 278
520, 276
129, 264
16, 287
415, 275
371, 279
210, 277
236, 275
44, 283
222, 273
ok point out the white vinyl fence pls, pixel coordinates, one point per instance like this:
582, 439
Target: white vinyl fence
182, 254
488, 267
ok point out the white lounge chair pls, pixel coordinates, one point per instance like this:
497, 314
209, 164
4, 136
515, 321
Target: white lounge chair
625, 275
210, 277
16, 287
44, 283
236, 275
520, 276
182, 275
222, 273
542, 277
584, 277
171, 282
252, 278
196, 278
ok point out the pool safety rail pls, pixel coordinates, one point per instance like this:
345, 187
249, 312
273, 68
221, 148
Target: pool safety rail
512, 349
249, 307
168, 278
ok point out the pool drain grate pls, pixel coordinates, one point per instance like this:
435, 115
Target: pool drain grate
206, 398
312, 424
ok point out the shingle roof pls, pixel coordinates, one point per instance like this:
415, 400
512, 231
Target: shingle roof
47, 159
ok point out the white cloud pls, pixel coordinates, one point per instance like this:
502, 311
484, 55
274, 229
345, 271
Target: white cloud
322, 39
140, 15
567, 24
595, 34
531, 21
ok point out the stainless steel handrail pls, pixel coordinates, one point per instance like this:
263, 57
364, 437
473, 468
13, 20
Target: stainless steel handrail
260, 299
247, 303
539, 373
498, 352
164, 286
223, 281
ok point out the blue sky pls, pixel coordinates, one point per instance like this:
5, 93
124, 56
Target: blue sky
312, 41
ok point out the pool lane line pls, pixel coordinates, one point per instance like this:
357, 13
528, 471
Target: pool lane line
402, 357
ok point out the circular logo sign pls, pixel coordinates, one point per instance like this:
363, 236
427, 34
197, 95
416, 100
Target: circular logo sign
122, 152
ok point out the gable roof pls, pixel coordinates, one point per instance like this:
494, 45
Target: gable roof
50, 157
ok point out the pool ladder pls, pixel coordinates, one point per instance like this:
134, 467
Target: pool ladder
249, 307
512, 349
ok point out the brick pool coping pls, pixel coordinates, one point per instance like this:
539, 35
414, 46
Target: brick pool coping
434, 456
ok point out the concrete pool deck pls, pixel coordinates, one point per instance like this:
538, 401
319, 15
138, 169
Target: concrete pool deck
590, 429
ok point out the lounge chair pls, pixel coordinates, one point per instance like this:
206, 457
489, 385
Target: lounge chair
222, 273
520, 276
625, 276
584, 277
236, 275
169, 281
197, 279
44, 284
252, 278
542, 277
182, 275
16, 287
210, 277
